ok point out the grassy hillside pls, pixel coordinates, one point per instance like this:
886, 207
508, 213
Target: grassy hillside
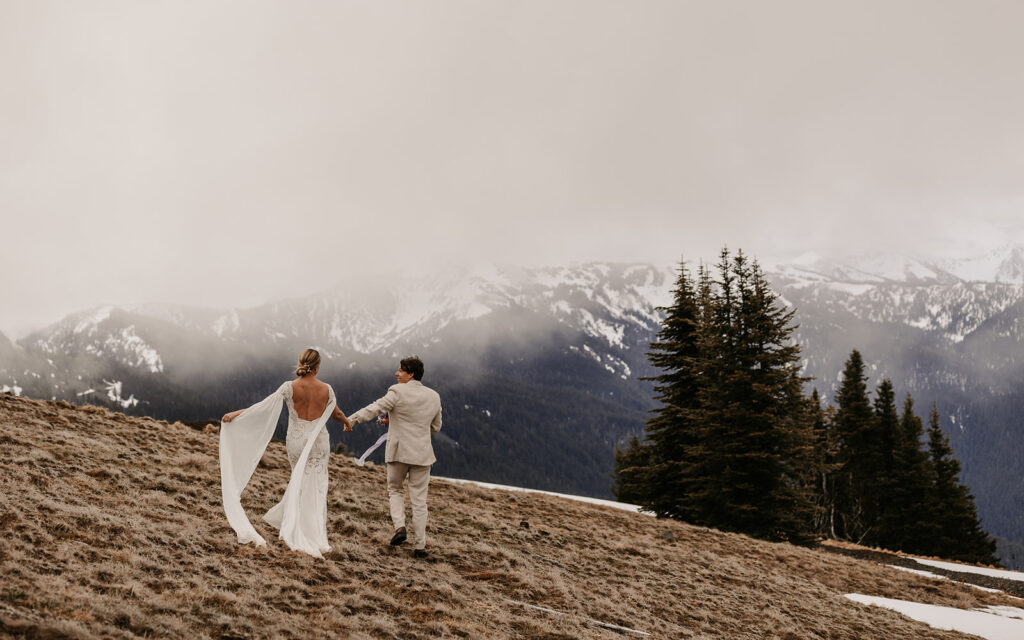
111, 526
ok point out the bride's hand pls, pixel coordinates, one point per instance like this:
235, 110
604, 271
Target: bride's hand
348, 425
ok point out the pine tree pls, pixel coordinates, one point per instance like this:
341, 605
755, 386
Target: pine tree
960, 536
909, 523
754, 427
731, 444
632, 470
824, 465
853, 426
876, 460
652, 473
703, 471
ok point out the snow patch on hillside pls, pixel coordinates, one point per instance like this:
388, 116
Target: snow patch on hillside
992, 623
966, 568
501, 487
114, 389
91, 320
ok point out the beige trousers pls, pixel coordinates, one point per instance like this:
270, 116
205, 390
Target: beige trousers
419, 480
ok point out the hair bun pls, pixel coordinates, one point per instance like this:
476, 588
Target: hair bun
309, 360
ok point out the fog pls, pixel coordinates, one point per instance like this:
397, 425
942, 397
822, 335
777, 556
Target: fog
225, 154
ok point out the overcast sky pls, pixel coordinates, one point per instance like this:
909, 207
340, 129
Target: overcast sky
226, 153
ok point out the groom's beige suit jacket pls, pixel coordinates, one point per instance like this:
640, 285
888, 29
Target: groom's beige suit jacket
414, 413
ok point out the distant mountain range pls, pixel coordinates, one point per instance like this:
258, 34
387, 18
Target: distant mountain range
540, 368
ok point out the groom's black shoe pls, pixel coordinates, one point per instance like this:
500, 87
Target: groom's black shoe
419, 553
399, 537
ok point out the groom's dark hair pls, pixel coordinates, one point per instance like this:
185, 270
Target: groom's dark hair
414, 366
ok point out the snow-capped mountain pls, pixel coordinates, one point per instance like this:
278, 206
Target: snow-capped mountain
1004, 265
604, 302
952, 299
105, 332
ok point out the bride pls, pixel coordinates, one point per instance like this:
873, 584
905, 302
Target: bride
301, 515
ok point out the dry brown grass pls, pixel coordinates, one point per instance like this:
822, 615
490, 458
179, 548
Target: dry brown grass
112, 527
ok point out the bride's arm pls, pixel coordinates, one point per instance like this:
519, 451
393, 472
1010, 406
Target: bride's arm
338, 415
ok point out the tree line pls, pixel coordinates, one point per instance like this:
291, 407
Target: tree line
736, 444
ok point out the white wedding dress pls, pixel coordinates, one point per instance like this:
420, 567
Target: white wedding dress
301, 516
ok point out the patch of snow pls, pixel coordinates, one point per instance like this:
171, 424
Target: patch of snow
16, 390
918, 572
144, 355
227, 322
501, 487
854, 289
90, 320
991, 267
992, 623
561, 307
929, 574
966, 568
114, 388
600, 328
475, 310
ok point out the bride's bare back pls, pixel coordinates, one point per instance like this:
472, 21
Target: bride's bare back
309, 397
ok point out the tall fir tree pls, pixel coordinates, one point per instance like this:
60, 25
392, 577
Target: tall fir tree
853, 426
908, 523
960, 536
824, 465
631, 478
877, 479
652, 474
731, 444
753, 426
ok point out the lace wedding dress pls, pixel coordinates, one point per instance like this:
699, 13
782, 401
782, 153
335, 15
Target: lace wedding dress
301, 516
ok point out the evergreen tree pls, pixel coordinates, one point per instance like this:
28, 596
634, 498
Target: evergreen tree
909, 523
877, 480
731, 444
632, 471
754, 429
704, 472
652, 474
853, 426
960, 536
824, 465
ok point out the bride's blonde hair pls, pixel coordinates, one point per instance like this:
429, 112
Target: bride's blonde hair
309, 360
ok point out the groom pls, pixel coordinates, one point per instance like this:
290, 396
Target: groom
414, 413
